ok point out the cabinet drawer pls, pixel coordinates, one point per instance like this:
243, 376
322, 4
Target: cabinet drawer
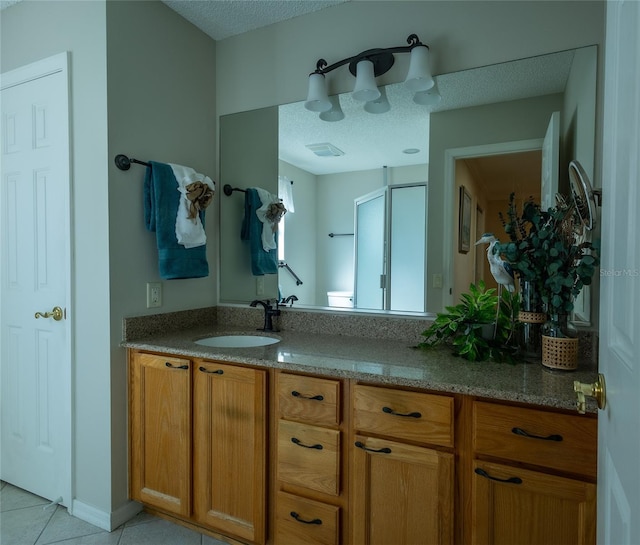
557, 441
309, 399
414, 416
309, 456
299, 520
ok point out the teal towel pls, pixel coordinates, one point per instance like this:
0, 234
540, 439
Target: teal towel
161, 200
261, 262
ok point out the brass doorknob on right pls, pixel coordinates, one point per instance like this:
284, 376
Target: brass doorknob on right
56, 313
596, 390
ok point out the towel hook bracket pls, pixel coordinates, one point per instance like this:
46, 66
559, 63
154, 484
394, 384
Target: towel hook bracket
228, 190
122, 162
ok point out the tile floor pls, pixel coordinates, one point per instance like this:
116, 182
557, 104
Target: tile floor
25, 519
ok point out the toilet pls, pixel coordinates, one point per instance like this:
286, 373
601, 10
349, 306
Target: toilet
342, 299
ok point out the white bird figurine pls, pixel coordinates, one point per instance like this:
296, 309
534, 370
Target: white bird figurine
500, 269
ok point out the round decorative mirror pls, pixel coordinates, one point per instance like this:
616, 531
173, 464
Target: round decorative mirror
582, 195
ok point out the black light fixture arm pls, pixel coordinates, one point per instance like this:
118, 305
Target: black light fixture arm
382, 58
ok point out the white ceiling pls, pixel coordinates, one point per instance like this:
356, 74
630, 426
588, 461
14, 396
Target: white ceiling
221, 19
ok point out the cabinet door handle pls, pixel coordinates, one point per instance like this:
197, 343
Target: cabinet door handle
385, 450
389, 410
297, 517
520, 431
511, 480
216, 372
171, 366
314, 398
297, 441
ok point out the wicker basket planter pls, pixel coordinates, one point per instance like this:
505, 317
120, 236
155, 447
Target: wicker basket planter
560, 353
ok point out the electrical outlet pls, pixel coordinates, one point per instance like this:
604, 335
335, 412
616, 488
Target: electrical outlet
437, 281
260, 285
154, 294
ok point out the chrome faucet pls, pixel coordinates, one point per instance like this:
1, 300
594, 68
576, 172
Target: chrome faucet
269, 313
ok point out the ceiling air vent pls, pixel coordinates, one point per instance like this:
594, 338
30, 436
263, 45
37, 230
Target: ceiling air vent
325, 150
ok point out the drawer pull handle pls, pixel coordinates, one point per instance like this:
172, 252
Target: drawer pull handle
385, 450
520, 431
216, 372
297, 517
314, 398
171, 366
389, 410
297, 441
511, 480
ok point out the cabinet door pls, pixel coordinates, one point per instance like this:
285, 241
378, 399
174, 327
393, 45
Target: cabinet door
513, 505
229, 449
402, 494
160, 430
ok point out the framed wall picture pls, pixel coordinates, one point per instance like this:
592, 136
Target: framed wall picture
464, 229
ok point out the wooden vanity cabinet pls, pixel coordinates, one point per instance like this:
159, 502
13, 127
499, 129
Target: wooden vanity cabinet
533, 476
310, 464
353, 463
402, 477
198, 442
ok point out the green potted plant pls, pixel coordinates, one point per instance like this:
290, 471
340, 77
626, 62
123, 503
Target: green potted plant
480, 327
524, 252
549, 253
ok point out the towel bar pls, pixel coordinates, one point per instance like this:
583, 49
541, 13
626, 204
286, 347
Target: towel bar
227, 189
124, 163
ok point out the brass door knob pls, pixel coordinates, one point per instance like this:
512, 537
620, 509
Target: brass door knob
56, 313
596, 390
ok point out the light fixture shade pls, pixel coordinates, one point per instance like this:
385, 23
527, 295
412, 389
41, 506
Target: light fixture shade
430, 97
419, 76
380, 105
317, 99
335, 113
366, 88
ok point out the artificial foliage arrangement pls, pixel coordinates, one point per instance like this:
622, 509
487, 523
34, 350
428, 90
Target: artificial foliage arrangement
545, 249
479, 328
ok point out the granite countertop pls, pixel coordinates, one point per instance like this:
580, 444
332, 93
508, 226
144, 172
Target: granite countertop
382, 361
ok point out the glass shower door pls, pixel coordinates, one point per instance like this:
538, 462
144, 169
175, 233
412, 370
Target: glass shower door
370, 249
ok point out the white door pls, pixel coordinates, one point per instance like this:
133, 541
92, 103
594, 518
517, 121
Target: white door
35, 354
619, 423
550, 163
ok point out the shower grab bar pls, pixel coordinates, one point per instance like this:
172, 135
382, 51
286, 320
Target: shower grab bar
283, 264
340, 235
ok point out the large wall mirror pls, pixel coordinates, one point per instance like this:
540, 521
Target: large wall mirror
375, 221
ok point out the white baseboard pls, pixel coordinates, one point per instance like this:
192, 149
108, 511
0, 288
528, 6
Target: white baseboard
103, 519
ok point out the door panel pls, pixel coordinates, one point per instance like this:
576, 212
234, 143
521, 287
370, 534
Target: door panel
35, 354
619, 433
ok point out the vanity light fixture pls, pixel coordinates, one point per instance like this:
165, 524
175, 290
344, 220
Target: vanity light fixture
366, 66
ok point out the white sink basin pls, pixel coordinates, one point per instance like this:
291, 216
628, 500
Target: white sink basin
237, 341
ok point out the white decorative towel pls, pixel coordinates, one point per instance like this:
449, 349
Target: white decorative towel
189, 231
268, 235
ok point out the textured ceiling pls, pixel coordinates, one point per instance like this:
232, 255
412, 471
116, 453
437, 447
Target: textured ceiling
223, 18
